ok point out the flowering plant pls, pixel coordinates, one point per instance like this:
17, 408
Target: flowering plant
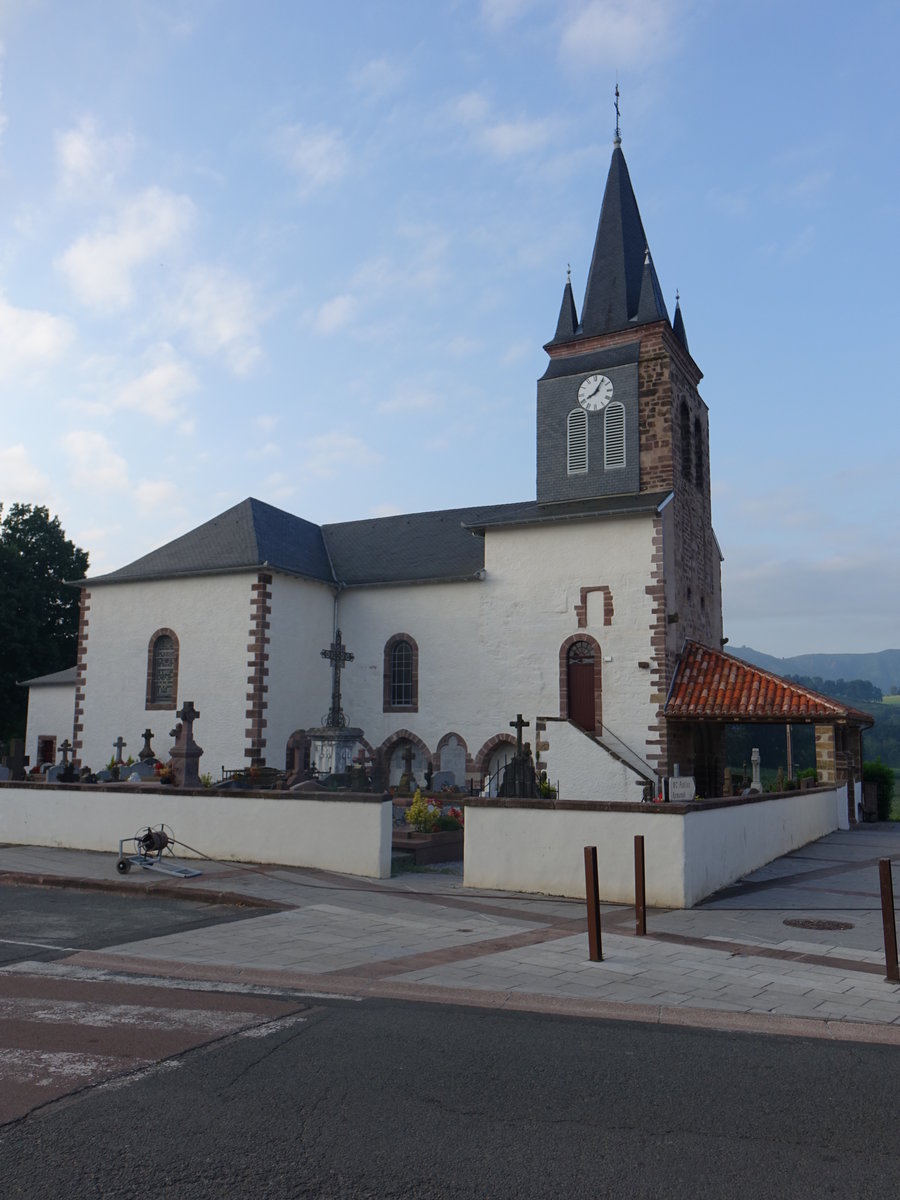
422, 813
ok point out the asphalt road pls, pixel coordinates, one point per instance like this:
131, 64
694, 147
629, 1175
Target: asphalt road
382, 1099
43, 923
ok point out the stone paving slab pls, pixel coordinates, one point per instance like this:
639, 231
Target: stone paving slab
425, 936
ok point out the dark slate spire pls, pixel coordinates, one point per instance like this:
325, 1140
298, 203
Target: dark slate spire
651, 306
567, 325
678, 324
617, 295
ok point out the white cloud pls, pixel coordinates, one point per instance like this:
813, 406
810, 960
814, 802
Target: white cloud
317, 157
378, 78
99, 266
471, 108
29, 337
93, 463
509, 139
409, 399
88, 161
621, 32
331, 453
218, 311
498, 15
503, 139
155, 494
335, 314
2, 114
156, 392
20, 477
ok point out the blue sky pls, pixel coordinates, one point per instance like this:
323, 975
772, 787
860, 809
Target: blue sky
311, 254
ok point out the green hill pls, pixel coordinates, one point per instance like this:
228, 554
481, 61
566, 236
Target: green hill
882, 667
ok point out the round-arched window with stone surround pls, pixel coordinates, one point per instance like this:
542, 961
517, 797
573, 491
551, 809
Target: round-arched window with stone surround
162, 670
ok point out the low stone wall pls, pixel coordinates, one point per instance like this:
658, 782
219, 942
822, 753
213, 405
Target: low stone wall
348, 832
690, 850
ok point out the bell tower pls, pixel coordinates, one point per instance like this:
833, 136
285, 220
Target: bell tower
619, 414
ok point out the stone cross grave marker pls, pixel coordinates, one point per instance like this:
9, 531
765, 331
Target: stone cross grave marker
119, 745
147, 752
519, 724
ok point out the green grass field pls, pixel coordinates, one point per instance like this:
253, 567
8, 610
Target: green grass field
890, 699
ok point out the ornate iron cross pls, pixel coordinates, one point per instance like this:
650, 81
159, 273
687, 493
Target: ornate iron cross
338, 657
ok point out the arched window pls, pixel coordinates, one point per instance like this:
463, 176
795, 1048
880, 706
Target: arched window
162, 670
687, 466
577, 450
698, 454
401, 674
614, 435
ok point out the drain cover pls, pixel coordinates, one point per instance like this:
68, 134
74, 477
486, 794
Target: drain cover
810, 923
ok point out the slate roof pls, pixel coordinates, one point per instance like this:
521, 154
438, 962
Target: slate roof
252, 534
711, 685
68, 676
622, 287
533, 513
411, 548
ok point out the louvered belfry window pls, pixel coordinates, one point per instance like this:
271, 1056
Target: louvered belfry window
577, 457
614, 436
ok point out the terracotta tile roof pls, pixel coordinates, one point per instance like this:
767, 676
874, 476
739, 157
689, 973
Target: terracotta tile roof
712, 685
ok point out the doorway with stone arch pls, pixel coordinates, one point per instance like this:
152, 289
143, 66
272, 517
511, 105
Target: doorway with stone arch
581, 683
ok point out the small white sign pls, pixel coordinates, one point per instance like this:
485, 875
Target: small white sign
681, 789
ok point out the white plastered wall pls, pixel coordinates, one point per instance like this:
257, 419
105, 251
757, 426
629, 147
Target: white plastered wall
299, 681
350, 834
688, 854
51, 712
211, 618
489, 649
583, 770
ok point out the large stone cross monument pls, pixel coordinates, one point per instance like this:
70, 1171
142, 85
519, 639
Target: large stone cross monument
333, 745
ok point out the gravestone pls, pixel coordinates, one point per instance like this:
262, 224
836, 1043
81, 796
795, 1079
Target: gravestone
4, 773
16, 760
443, 779
67, 771
146, 753
519, 775
185, 754
453, 761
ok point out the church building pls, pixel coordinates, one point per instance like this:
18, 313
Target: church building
573, 609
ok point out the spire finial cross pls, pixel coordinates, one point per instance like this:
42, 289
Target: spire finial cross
568, 272
618, 140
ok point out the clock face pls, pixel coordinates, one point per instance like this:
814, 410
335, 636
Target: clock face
595, 393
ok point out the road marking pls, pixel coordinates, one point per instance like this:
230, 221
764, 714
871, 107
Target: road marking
59, 970
106, 1016
40, 945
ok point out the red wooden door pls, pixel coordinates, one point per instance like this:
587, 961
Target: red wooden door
580, 675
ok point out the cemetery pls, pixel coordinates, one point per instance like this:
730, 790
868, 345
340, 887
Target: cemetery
515, 840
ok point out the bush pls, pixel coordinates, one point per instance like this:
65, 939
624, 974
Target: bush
883, 777
446, 824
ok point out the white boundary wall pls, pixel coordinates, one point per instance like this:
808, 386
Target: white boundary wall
690, 851
346, 833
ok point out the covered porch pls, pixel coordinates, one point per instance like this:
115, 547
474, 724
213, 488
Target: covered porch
712, 690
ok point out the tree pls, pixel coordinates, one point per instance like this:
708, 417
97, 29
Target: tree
38, 613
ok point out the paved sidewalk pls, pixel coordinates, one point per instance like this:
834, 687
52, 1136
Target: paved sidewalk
733, 962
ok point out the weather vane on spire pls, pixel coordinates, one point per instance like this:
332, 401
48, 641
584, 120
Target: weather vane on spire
618, 141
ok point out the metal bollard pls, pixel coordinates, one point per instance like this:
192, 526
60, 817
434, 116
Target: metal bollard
592, 898
640, 888
889, 921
